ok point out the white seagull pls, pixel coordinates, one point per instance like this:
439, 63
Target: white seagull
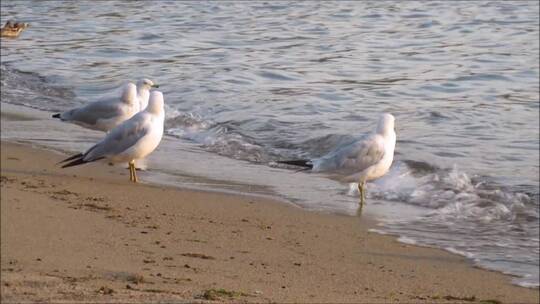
133, 139
366, 159
104, 115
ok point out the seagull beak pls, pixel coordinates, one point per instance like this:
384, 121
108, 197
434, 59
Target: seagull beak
155, 86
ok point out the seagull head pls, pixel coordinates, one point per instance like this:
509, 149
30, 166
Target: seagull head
385, 126
129, 93
147, 84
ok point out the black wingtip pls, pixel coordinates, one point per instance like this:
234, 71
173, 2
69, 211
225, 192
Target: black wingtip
76, 162
299, 162
80, 155
56, 115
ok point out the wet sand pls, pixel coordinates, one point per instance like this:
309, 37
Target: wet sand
88, 234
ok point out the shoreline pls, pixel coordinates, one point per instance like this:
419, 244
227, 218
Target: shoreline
25, 124
62, 241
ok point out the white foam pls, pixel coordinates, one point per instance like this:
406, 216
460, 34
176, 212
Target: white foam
378, 231
526, 284
353, 189
406, 240
459, 252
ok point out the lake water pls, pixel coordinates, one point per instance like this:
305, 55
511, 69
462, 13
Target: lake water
249, 83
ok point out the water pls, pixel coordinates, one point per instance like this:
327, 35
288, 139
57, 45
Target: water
250, 83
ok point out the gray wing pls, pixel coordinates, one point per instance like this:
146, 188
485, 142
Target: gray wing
90, 113
121, 138
353, 158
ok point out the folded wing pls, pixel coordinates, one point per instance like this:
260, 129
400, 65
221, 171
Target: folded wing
354, 157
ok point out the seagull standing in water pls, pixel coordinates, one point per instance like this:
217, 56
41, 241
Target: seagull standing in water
104, 115
364, 160
133, 139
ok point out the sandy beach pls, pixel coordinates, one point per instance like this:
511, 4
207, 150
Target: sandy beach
88, 234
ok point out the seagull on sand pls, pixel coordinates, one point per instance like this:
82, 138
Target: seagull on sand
364, 160
104, 115
133, 139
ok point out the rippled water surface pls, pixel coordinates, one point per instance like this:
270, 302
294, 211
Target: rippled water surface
263, 81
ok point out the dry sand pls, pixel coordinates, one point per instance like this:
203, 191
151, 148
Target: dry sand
88, 234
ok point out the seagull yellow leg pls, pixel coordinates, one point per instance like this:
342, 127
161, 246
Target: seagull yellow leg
364, 193
130, 172
362, 189
132, 165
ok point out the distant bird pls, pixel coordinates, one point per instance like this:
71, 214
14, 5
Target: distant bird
104, 115
366, 159
133, 139
143, 91
13, 29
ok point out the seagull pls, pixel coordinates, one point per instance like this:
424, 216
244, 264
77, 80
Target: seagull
367, 159
133, 139
106, 114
